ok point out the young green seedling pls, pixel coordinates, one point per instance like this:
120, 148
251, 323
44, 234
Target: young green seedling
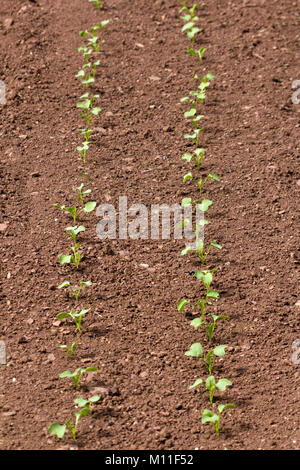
82, 149
74, 212
75, 291
74, 231
81, 194
59, 430
191, 30
87, 107
69, 350
77, 375
82, 403
74, 257
209, 416
76, 317
199, 52
86, 133
211, 386
97, 3
208, 360
86, 51
209, 328
198, 155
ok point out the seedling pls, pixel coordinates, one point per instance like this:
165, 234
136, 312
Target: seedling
199, 247
209, 416
86, 133
74, 257
69, 350
81, 194
203, 322
75, 291
76, 317
87, 107
82, 403
82, 149
191, 30
211, 386
77, 375
199, 52
74, 231
198, 155
97, 3
208, 360
59, 430
74, 212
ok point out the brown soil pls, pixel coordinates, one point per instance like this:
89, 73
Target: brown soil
133, 332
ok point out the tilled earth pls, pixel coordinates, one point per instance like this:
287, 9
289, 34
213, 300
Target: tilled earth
133, 332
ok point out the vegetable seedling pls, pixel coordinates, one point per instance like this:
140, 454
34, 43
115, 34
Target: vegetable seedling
59, 430
97, 3
209, 416
208, 328
74, 231
211, 386
75, 291
198, 155
77, 375
76, 317
74, 257
82, 403
208, 360
74, 212
81, 194
69, 350
199, 52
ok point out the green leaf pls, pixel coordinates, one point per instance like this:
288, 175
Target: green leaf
91, 369
186, 250
64, 259
181, 304
221, 408
66, 373
90, 206
57, 429
222, 384
94, 398
187, 26
195, 350
190, 113
220, 350
210, 382
216, 245
205, 204
81, 73
81, 402
96, 111
64, 284
209, 417
187, 156
84, 104
197, 322
187, 177
212, 294
214, 176
62, 315
186, 201
196, 383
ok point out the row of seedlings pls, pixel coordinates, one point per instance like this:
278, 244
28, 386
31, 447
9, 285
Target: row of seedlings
205, 320
88, 110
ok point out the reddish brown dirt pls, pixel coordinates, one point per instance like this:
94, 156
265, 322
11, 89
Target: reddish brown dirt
133, 332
